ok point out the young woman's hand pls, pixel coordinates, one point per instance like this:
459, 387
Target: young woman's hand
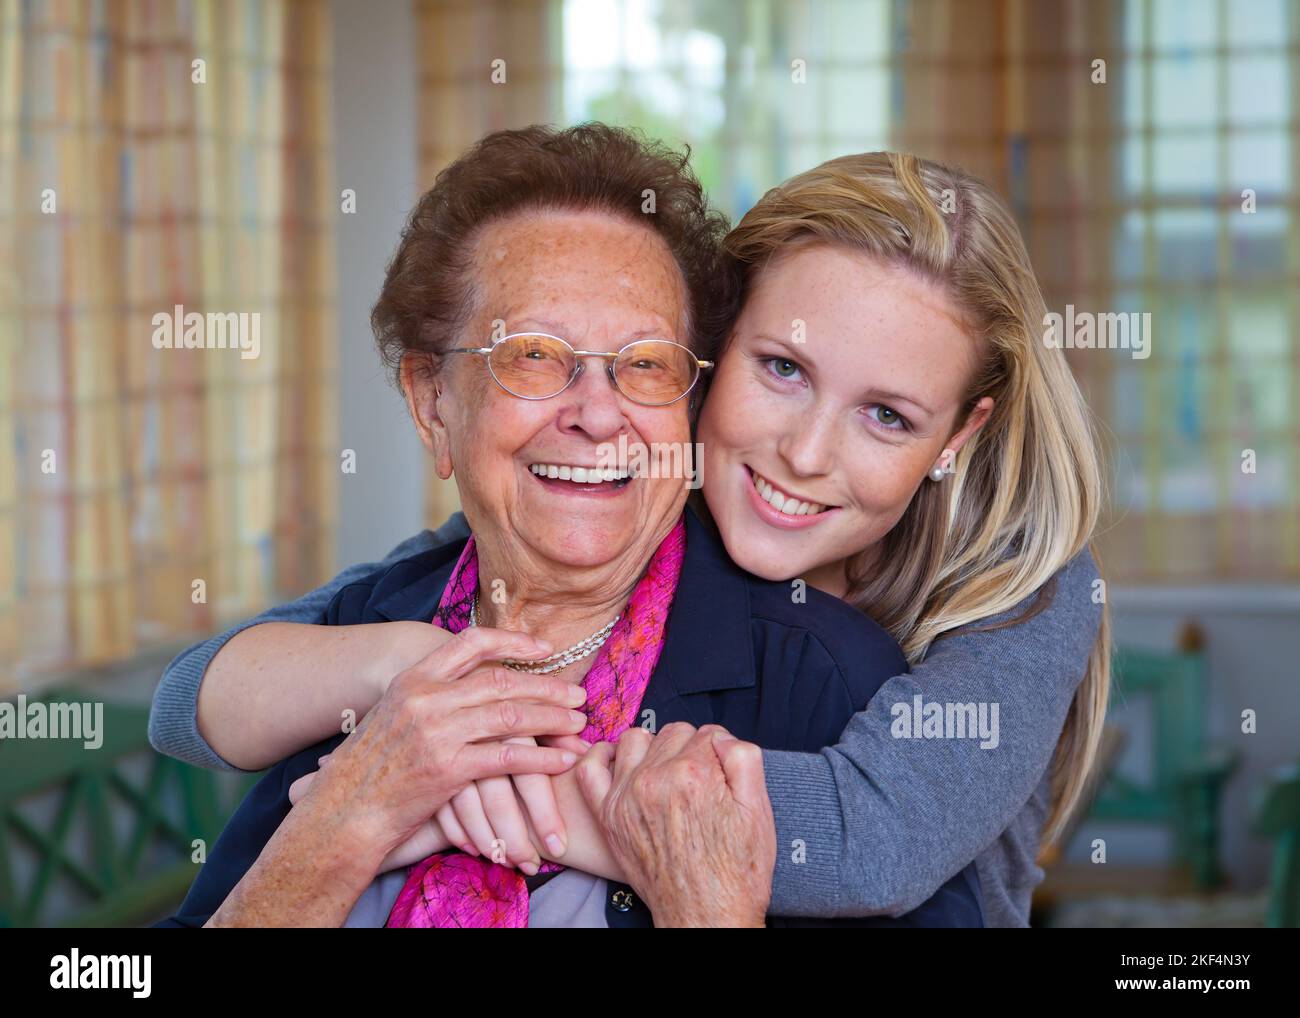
505, 819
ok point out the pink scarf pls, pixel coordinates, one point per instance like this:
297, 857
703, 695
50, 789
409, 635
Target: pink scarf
451, 890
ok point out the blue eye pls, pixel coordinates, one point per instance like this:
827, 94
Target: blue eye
889, 418
782, 367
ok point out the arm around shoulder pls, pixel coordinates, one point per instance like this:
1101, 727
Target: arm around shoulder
174, 726
887, 815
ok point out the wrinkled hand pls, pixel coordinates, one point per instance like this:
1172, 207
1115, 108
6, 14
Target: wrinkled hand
440, 726
427, 839
499, 819
687, 816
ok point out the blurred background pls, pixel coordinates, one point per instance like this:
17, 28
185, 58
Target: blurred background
260, 155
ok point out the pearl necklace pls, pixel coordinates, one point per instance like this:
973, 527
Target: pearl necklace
547, 665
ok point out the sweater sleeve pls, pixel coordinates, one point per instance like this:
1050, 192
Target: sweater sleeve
173, 718
882, 821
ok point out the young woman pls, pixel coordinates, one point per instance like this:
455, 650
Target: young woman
885, 424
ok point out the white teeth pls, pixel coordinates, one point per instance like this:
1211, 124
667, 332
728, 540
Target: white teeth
579, 475
784, 503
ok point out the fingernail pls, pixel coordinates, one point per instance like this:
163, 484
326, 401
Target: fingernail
555, 843
578, 718
586, 743
577, 695
569, 759
529, 867
469, 849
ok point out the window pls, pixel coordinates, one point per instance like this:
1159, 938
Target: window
760, 91
1206, 429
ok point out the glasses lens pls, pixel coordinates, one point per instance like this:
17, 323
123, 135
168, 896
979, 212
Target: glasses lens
656, 371
532, 366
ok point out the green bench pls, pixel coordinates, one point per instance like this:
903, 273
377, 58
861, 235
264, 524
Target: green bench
1188, 774
1278, 816
118, 847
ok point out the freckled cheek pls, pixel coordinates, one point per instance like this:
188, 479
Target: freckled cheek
669, 430
743, 414
885, 484
664, 425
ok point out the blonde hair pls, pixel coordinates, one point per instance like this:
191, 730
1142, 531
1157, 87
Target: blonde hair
1028, 488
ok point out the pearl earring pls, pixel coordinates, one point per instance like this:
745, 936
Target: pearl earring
944, 466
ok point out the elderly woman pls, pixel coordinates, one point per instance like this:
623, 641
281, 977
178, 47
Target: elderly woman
537, 314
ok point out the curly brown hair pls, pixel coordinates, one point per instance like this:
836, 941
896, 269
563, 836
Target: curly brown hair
428, 288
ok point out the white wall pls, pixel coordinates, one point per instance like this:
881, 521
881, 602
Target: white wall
374, 118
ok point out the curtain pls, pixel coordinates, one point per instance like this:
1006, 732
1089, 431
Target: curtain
167, 332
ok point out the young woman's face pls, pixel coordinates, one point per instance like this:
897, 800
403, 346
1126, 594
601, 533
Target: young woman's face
816, 435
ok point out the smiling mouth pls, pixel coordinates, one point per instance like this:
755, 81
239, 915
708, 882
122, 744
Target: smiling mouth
586, 478
783, 501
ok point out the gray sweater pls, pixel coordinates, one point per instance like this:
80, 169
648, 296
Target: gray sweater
875, 824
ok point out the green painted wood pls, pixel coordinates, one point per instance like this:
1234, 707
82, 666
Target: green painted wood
122, 874
137, 901
1278, 817
1187, 774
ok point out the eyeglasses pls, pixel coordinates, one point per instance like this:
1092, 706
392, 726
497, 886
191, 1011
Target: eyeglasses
533, 365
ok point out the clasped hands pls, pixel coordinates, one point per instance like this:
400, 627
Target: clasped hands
682, 816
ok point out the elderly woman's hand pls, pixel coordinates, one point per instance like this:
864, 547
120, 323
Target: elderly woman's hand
443, 724
428, 838
512, 821
439, 726
687, 816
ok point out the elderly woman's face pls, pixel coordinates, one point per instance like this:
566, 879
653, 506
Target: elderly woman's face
597, 282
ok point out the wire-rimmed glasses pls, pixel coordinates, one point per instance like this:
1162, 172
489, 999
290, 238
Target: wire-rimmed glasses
534, 365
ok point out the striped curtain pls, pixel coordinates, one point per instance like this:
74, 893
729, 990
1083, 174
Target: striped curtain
166, 195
